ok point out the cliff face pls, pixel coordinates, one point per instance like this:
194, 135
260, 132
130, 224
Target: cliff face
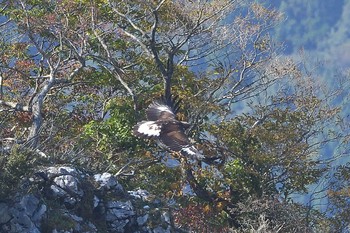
64, 199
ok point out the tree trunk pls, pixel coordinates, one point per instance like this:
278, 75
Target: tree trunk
36, 109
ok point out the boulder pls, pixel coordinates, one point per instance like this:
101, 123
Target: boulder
62, 199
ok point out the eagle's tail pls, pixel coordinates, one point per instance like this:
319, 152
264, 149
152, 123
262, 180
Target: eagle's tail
172, 102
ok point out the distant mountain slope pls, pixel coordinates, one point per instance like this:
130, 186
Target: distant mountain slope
307, 23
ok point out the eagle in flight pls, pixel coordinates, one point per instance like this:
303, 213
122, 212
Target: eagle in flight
163, 126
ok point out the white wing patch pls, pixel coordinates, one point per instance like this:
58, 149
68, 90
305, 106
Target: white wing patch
192, 151
149, 128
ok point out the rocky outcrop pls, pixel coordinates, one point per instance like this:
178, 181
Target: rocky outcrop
64, 199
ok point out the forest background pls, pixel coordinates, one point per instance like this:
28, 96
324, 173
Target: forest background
264, 84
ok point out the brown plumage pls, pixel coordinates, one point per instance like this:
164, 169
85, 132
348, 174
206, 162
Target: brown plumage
163, 126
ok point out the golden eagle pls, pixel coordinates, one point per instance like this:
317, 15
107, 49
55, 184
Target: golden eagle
163, 126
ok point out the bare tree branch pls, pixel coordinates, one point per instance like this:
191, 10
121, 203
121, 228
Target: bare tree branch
15, 106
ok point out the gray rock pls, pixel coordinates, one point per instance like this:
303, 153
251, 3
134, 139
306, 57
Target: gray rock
108, 182
4, 213
117, 210
40, 205
82, 225
59, 192
38, 214
118, 215
160, 229
21, 222
119, 226
32, 207
142, 220
68, 183
166, 217
65, 183
62, 231
96, 201
25, 215
53, 171
139, 194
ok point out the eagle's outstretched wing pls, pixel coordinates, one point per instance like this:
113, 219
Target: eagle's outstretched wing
166, 108
173, 138
157, 111
163, 126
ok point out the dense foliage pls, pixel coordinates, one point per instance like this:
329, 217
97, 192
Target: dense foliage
75, 76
